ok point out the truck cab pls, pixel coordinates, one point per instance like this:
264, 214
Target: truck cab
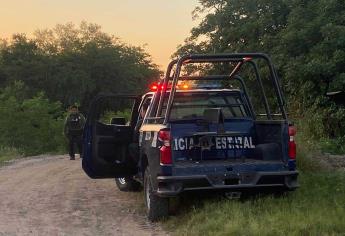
191, 134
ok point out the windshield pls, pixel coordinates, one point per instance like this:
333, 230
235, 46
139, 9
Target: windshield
193, 105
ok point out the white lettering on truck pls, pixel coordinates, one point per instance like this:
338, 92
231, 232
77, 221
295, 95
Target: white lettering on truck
220, 143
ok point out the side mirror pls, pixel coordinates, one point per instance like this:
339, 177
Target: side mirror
118, 121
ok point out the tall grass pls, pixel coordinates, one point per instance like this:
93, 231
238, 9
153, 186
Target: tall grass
317, 208
7, 153
314, 133
311, 147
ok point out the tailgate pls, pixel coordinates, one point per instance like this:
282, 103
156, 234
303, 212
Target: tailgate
191, 142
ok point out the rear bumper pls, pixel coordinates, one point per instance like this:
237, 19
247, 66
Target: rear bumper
173, 185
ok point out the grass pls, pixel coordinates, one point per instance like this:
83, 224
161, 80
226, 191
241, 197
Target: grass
333, 146
7, 154
312, 137
317, 208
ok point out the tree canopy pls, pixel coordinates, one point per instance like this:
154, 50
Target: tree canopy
40, 76
306, 39
72, 64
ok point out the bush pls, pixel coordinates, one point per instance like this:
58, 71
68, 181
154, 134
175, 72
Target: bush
8, 153
32, 125
333, 146
319, 131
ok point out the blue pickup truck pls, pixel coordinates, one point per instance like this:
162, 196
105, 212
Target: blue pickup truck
195, 131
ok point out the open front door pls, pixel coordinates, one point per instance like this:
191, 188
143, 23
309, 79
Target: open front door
108, 134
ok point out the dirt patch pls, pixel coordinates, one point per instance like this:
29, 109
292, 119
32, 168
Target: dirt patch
332, 162
52, 196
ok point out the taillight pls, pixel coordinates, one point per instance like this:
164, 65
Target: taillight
292, 144
165, 150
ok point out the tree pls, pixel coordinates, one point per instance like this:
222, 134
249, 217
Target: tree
304, 37
32, 126
72, 64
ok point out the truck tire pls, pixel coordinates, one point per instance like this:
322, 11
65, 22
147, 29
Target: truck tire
127, 184
157, 207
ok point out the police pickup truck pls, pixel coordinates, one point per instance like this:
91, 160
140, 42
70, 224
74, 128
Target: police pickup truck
189, 134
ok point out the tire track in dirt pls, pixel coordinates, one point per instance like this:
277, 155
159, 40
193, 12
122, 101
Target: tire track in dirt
53, 196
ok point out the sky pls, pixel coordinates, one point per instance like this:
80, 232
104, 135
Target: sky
161, 25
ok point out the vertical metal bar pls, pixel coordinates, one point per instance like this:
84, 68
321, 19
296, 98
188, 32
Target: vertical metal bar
173, 88
277, 87
280, 85
165, 87
258, 78
148, 113
246, 95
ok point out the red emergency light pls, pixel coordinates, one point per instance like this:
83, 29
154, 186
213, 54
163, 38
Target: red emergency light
157, 86
154, 87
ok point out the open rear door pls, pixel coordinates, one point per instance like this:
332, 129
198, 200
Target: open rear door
107, 135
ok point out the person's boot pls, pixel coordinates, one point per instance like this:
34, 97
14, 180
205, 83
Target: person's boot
72, 158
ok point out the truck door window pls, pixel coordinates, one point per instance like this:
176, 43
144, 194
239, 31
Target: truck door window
117, 113
143, 109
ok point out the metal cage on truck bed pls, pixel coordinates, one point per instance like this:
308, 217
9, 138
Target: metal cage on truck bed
238, 59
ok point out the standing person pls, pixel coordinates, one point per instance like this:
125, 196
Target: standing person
73, 130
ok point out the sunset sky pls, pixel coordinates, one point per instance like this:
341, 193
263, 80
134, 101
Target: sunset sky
161, 24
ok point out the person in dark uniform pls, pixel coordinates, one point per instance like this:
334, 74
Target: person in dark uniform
73, 130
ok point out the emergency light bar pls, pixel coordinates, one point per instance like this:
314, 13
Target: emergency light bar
158, 86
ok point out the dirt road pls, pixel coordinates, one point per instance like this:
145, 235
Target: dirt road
53, 196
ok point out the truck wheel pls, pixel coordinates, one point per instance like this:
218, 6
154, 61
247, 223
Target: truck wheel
127, 184
157, 207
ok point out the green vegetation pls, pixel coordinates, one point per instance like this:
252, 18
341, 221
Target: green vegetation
32, 125
7, 154
333, 146
317, 208
73, 64
305, 38
107, 116
41, 76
